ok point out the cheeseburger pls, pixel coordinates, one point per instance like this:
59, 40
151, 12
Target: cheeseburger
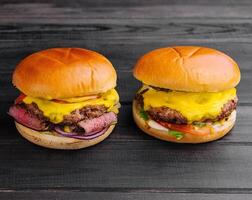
188, 94
67, 99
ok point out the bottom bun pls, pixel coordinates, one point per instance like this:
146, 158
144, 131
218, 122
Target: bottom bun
217, 131
51, 139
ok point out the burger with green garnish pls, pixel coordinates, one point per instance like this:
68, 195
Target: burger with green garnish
188, 94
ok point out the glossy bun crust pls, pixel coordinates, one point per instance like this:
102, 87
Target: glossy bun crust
188, 138
54, 141
64, 73
188, 68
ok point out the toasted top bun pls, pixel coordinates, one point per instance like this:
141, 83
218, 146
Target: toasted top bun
63, 73
188, 68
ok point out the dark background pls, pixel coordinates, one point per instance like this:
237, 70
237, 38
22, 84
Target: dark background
129, 164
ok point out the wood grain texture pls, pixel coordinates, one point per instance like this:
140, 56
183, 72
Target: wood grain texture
129, 164
121, 164
131, 159
78, 195
79, 10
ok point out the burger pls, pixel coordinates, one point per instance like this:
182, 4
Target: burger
188, 94
68, 98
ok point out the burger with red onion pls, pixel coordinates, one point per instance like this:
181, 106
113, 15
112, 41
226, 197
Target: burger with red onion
68, 98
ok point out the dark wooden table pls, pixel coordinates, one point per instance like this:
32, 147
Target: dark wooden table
129, 164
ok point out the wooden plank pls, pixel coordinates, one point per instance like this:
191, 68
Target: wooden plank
132, 3
129, 159
132, 164
129, 31
78, 195
35, 11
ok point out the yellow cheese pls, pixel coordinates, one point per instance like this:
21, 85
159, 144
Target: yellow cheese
115, 108
67, 129
195, 106
80, 99
55, 111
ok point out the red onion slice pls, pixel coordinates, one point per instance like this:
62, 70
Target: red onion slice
75, 135
58, 130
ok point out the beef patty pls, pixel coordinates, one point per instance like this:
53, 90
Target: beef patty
173, 116
87, 119
167, 114
34, 111
87, 112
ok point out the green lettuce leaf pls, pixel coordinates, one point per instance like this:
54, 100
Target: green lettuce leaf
176, 134
199, 124
143, 114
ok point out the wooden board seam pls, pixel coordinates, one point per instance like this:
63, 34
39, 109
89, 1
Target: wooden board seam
132, 190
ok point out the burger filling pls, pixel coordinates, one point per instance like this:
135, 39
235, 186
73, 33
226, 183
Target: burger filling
76, 116
191, 112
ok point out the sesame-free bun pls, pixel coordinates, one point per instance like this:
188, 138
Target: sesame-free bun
188, 68
216, 133
54, 141
64, 73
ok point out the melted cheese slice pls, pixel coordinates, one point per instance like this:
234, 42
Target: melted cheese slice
195, 106
56, 111
80, 99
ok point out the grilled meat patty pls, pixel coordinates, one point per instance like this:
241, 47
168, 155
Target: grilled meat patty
227, 109
31, 116
167, 114
87, 112
173, 116
28, 118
